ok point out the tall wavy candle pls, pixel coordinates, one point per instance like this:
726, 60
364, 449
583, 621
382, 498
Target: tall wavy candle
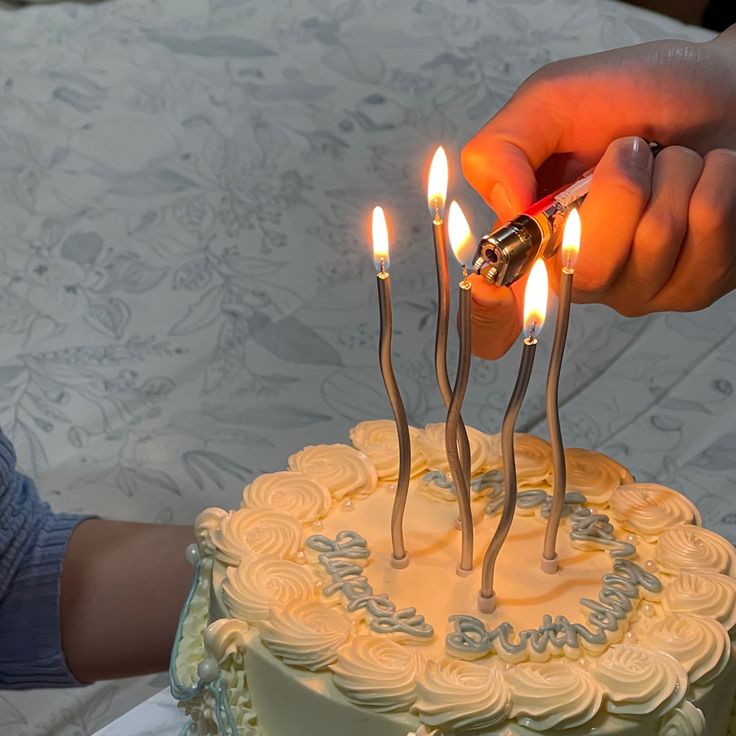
535, 309
570, 248
436, 196
458, 454
399, 556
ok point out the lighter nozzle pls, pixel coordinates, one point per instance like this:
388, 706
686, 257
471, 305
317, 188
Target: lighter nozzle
508, 252
486, 269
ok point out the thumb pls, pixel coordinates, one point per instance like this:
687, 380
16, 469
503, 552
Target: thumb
500, 161
496, 317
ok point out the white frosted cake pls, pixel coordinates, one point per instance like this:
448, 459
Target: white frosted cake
298, 624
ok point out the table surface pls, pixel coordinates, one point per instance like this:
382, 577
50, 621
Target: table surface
158, 716
187, 293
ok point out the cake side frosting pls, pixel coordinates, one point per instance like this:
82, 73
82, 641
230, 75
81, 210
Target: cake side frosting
639, 634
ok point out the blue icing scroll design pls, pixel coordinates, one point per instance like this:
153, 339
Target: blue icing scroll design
226, 722
179, 690
490, 479
542, 500
470, 637
337, 558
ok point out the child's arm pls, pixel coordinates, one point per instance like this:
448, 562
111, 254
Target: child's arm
106, 594
123, 587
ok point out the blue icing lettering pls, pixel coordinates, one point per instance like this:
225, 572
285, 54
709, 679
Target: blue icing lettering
622, 586
536, 498
629, 570
437, 478
542, 499
596, 530
352, 588
603, 617
406, 620
470, 635
490, 479
376, 605
336, 557
494, 505
346, 544
531, 499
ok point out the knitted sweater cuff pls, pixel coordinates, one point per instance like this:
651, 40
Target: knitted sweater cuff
31, 654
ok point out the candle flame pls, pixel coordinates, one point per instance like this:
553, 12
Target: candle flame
535, 299
379, 229
461, 237
571, 239
437, 183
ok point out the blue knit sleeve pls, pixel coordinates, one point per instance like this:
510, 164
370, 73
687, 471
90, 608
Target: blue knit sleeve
33, 542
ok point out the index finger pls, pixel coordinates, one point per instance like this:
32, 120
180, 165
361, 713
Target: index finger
500, 161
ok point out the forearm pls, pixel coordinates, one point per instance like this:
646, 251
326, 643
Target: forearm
123, 586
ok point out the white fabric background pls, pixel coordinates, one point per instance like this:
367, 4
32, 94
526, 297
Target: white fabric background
186, 290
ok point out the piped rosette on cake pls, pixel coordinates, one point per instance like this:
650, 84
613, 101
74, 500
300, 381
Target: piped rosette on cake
342, 469
246, 535
638, 681
462, 696
592, 477
533, 457
592, 474
378, 441
289, 492
485, 462
701, 593
553, 695
306, 634
649, 509
377, 673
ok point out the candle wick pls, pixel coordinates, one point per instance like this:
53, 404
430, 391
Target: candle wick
465, 271
437, 215
568, 267
382, 265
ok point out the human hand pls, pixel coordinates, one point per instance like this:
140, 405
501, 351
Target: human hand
658, 234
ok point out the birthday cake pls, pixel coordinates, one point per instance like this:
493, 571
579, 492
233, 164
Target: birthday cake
298, 624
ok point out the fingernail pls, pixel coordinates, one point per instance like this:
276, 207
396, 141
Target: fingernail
501, 202
637, 153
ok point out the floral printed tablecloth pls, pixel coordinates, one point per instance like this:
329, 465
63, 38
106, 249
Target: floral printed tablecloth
187, 294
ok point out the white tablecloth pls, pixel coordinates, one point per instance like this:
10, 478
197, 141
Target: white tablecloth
158, 716
187, 293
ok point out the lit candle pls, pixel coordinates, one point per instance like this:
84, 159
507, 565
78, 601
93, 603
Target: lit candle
463, 246
399, 557
436, 196
535, 308
570, 249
